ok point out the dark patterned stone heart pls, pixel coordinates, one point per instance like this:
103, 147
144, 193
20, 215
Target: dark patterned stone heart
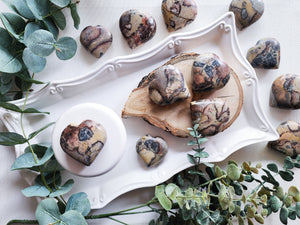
211, 115
178, 13
83, 142
289, 140
168, 86
285, 92
246, 12
151, 149
265, 54
96, 39
209, 72
137, 27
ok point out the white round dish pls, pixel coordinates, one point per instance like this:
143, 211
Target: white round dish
112, 150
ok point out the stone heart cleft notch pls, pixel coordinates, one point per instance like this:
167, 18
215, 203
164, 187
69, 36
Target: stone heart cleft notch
83, 142
137, 27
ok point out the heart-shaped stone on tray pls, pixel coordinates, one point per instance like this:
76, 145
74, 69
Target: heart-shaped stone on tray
209, 72
168, 86
211, 115
289, 140
96, 39
265, 54
137, 27
178, 13
83, 142
246, 12
151, 149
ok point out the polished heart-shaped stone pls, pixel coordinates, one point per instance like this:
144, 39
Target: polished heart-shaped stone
151, 149
83, 142
178, 13
168, 86
246, 12
265, 54
285, 92
211, 115
137, 27
289, 139
96, 39
209, 72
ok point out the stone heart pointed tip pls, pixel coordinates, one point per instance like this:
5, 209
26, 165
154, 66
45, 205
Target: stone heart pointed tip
168, 86
246, 12
177, 14
96, 39
137, 27
265, 54
83, 142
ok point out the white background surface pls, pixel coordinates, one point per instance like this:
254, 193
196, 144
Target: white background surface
280, 21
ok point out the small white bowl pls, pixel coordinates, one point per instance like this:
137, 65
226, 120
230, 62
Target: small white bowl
113, 149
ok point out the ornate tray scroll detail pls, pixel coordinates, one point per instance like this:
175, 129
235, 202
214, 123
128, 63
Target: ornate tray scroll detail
111, 84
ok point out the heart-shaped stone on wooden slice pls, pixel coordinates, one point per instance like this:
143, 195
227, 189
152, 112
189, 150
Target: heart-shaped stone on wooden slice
209, 72
178, 13
176, 118
137, 27
168, 86
289, 140
265, 54
96, 39
151, 149
211, 115
285, 92
83, 142
246, 12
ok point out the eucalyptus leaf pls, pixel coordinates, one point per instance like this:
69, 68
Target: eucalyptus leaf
38, 149
164, 201
39, 8
33, 62
5, 38
191, 159
273, 167
23, 9
275, 203
25, 160
10, 106
47, 212
51, 27
24, 75
5, 87
33, 134
36, 190
32, 110
41, 43
10, 4
286, 175
201, 154
283, 215
14, 24
61, 3
58, 17
30, 28
11, 139
80, 203
233, 172
74, 14
8, 62
61, 190
288, 163
65, 48
297, 208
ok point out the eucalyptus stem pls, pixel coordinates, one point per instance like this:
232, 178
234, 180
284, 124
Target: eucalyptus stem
211, 181
119, 221
22, 222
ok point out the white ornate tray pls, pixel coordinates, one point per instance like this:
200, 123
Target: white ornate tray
111, 85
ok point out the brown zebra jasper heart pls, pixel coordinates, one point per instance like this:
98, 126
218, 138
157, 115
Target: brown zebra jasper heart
246, 12
83, 142
178, 13
209, 72
96, 39
137, 27
289, 140
151, 149
211, 115
265, 54
168, 86
285, 92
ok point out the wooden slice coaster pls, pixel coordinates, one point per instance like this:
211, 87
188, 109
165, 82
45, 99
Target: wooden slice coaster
176, 118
